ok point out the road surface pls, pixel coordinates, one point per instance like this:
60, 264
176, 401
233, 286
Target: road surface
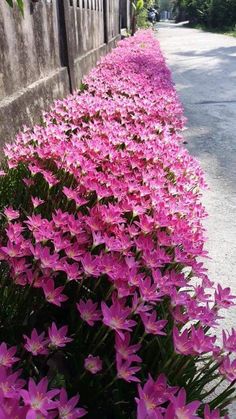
204, 70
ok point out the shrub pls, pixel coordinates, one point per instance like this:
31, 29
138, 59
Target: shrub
101, 283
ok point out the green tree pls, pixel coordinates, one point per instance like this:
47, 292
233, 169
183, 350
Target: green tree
222, 13
211, 13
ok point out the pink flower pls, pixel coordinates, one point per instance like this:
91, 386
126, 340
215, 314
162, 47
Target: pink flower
12, 250
57, 337
116, 318
11, 214
223, 298
10, 384
50, 178
200, 342
229, 342
152, 325
10, 408
145, 223
182, 342
71, 269
37, 201
111, 214
93, 364
125, 371
153, 395
178, 408
125, 351
67, 408
88, 311
7, 358
43, 254
14, 231
38, 399
73, 251
97, 238
19, 266
34, 222
73, 194
36, 344
60, 218
228, 368
211, 414
53, 295
90, 265
28, 182
148, 291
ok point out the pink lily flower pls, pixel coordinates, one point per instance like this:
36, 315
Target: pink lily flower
229, 342
14, 231
11, 214
10, 408
88, 311
223, 297
178, 408
90, 265
152, 325
182, 342
67, 408
93, 364
7, 358
153, 395
125, 371
228, 368
10, 383
115, 317
211, 414
36, 344
53, 295
36, 202
201, 343
38, 399
57, 337
125, 351
43, 254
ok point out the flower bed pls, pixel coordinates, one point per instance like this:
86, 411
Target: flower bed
101, 282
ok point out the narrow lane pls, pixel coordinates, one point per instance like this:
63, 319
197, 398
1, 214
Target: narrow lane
204, 70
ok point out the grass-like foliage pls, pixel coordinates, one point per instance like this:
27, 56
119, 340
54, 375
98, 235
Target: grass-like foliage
103, 290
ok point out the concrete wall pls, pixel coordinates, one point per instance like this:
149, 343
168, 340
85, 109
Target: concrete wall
44, 55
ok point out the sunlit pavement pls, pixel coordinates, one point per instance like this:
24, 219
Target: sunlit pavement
204, 70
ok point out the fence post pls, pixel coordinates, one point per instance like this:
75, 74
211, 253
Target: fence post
105, 15
70, 42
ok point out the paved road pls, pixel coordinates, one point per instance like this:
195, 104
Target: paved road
204, 70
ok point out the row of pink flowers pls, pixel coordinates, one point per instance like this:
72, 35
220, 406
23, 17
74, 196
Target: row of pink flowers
114, 206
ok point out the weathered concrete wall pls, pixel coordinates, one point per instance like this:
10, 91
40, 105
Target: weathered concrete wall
44, 55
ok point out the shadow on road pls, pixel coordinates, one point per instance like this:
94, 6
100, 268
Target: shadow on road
206, 83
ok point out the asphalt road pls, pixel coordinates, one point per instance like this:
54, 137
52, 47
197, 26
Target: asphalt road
204, 70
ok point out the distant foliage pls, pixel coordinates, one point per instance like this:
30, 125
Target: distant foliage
212, 13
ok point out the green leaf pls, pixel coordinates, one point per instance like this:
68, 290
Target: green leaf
139, 5
10, 2
20, 4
